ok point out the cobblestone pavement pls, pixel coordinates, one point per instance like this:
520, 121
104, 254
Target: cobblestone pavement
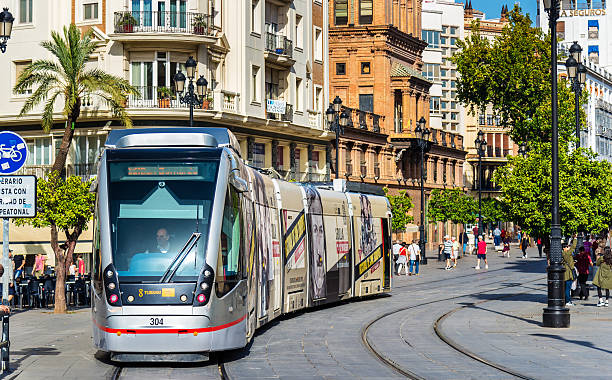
326, 343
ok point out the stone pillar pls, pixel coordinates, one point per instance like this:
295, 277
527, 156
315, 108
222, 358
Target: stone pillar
328, 160
406, 111
309, 168
250, 148
292, 164
274, 154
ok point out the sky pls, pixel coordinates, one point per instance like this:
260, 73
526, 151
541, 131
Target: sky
492, 8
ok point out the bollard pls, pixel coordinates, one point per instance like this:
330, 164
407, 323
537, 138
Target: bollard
5, 343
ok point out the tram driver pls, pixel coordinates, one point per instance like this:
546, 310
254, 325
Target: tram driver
162, 241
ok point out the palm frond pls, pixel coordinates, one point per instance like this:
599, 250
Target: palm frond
38, 96
47, 116
117, 108
35, 73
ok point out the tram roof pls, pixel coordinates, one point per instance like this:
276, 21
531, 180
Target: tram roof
223, 136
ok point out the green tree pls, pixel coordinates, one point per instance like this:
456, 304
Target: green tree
401, 205
64, 206
492, 210
67, 79
511, 74
451, 204
585, 195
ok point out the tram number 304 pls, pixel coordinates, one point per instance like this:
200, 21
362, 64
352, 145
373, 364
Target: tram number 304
156, 321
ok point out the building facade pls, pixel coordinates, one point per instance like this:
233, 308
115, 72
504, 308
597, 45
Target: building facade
376, 68
265, 62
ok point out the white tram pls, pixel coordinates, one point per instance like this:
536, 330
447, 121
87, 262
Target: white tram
194, 250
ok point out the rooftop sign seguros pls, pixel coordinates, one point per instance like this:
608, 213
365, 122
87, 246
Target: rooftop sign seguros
583, 12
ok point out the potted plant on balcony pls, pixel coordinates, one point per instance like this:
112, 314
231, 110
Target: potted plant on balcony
207, 102
126, 22
200, 24
163, 97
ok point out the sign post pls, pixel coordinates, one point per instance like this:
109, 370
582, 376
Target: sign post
17, 196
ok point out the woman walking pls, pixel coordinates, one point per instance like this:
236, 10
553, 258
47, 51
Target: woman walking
583, 263
603, 277
524, 244
568, 277
402, 260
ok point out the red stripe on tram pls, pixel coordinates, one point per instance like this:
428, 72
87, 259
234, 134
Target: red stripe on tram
169, 331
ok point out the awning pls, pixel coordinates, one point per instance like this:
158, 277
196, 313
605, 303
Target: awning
594, 23
594, 49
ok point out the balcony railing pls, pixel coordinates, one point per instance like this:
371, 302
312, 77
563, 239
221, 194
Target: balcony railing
287, 116
85, 171
363, 119
164, 22
157, 97
278, 44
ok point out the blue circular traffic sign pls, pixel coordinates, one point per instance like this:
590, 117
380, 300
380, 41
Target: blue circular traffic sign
13, 152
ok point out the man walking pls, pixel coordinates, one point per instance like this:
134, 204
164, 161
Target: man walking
463, 240
415, 255
497, 237
448, 251
482, 252
396, 251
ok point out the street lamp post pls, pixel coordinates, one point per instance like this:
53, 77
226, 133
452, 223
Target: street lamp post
337, 122
481, 147
6, 26
556, 314
191, 98
422, 134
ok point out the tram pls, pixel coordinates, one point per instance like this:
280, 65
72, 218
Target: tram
194, 250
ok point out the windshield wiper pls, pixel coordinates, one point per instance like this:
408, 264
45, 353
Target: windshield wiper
180, 257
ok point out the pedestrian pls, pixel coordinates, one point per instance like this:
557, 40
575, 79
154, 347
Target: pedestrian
81, 266
39, 266
518, 235
18, 263
524, 244
506, 249
11, 292
603, 277
415, 252
583, 263
503, 234
396, 250
455, 254
588, 244
568, 277
482, 252
448, 251
539, 243
402, 260
497, 239
463, 240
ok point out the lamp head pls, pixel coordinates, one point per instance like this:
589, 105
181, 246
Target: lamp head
330, 113
190, 67
179, 80
422, 122
6, 24
549, 4
343, 119
575, 51
418, 131
201, 85
571, 64
337, 103
426, 133
582, 72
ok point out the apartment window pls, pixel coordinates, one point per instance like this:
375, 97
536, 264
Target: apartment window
255, 27
318, 98
593, 29
443, 40
444, 83
594, 53
19, 68
453, 30
443, 72
432, 71
340, 68
443, 105
366, 102
298, 94
434, 105
365, 11
365, 68
481, 119
432, 37
318, 44
39, 152
255, 83
454, 116
90, 11
25, 11
259, 155
453, 41
341, 12
489, 119
299, 32
453, 105
453, 84
444, 29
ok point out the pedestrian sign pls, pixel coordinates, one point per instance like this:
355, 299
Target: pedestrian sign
13, 152
17, 196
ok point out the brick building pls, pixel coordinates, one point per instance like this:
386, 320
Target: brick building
376, 69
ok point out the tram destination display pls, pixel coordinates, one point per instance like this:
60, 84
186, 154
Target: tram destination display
156, 170
18, 196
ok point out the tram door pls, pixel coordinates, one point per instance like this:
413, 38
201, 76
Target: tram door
386, 253
250, 261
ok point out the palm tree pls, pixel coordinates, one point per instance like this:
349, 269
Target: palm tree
66, 78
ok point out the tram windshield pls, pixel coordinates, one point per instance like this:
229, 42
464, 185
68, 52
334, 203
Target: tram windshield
155, 208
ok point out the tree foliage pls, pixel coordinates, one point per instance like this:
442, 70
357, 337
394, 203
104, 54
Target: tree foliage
492, 210
66, 78
512, 74
401, 205
453, 205
64, 206
585, 195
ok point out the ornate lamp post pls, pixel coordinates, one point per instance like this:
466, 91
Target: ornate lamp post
481, 148
422, 137
191, 98
337, 121
6, 26
577, 74
556, 314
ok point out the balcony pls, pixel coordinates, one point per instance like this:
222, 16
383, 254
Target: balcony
281, 116
363, 120
164, 26
447, 139
279, 50
314, 119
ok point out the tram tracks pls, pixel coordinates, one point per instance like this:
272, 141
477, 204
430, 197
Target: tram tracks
217, 361
440, 334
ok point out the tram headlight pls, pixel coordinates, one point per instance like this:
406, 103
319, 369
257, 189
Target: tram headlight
206, 273
183, 298
109, 273
130, 298
204, 286
111, 285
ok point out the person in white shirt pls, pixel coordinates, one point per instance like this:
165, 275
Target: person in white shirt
396, 250
415, 256
455, 252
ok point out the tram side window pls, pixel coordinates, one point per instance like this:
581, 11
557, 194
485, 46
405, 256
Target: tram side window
229, 264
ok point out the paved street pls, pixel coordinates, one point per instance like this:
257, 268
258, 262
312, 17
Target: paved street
495, 314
